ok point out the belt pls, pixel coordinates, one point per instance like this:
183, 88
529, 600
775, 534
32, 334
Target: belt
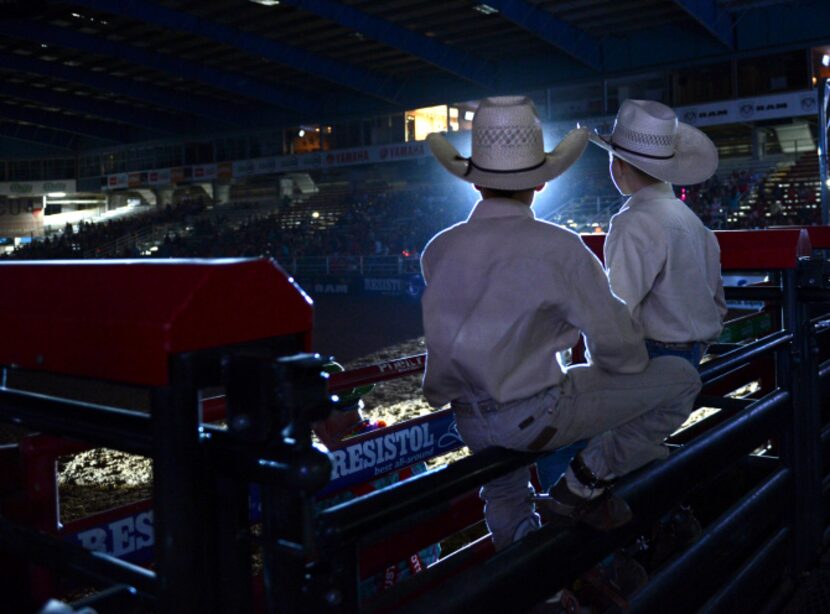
489, 406
688, 345
485, 406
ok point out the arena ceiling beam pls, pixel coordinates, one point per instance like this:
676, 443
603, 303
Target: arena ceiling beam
560, 34
39, 135
447, 58
58, 121
384, 87
223, 115
789, 25
140, 118
759, 31
238, 84
712, 17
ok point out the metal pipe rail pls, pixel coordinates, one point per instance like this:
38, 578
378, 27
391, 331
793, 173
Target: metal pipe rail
393, 369
753, 293
510, 578
112, 427
716, 550
759, 571
722, 365
384, 511
349, 520
88, 565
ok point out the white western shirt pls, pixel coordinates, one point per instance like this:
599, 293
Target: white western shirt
506, 292
665, 264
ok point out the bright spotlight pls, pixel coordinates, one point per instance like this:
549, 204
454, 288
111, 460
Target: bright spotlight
825, 60
315, 214
301, 133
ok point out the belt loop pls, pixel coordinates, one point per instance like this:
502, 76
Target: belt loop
476, 409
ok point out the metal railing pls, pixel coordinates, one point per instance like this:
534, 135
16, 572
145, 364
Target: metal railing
364, 266
771, 526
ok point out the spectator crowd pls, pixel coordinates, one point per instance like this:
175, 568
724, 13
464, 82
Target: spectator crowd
396, 222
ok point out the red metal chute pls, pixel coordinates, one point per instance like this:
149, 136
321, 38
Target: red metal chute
120, 320
751, 249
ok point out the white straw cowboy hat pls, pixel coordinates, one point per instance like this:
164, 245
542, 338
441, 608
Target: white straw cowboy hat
647, 135
508, 150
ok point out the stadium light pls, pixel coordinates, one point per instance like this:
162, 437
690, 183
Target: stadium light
315, 214
485, 9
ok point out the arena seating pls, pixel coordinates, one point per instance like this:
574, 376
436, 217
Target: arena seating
795, 191
382, 216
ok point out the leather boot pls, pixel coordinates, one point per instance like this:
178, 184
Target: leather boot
605, 512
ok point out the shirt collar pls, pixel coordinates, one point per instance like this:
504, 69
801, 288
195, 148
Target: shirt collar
655, 190
500, 207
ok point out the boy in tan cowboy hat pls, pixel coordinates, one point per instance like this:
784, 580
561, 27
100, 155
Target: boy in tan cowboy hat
661, 260
505, 292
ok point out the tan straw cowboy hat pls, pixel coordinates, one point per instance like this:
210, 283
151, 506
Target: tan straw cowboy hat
647, 135
508, 147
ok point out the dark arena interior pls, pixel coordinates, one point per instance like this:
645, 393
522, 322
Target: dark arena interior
205, 204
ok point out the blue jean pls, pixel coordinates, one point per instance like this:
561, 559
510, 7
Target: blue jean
694, 355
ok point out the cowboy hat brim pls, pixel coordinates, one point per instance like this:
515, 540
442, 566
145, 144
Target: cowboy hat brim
556, 162
695, 157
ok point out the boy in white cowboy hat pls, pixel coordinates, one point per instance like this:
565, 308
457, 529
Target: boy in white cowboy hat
505, 292
661, 260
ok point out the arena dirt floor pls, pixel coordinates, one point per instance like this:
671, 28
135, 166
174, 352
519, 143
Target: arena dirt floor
354, 330
357, 331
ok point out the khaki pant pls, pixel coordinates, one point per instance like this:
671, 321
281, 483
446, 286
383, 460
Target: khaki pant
626, 417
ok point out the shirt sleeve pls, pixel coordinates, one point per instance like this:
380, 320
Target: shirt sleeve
613, 340
720, 299
634, 257
424, 271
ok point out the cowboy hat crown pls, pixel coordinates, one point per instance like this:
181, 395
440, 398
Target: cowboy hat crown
647, 135
508, 150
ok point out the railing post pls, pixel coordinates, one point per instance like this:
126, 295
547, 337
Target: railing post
800, 441
823, 86
328, 266
179, 490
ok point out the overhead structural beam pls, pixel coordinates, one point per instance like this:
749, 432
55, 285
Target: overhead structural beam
459, 63
39, 135
712, 17
222, 114
560, 34
343, 73
231, 82
140, 118
58, 121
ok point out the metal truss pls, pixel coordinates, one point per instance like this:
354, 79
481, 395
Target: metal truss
460, 63
342, 73
236, 83
712, 17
